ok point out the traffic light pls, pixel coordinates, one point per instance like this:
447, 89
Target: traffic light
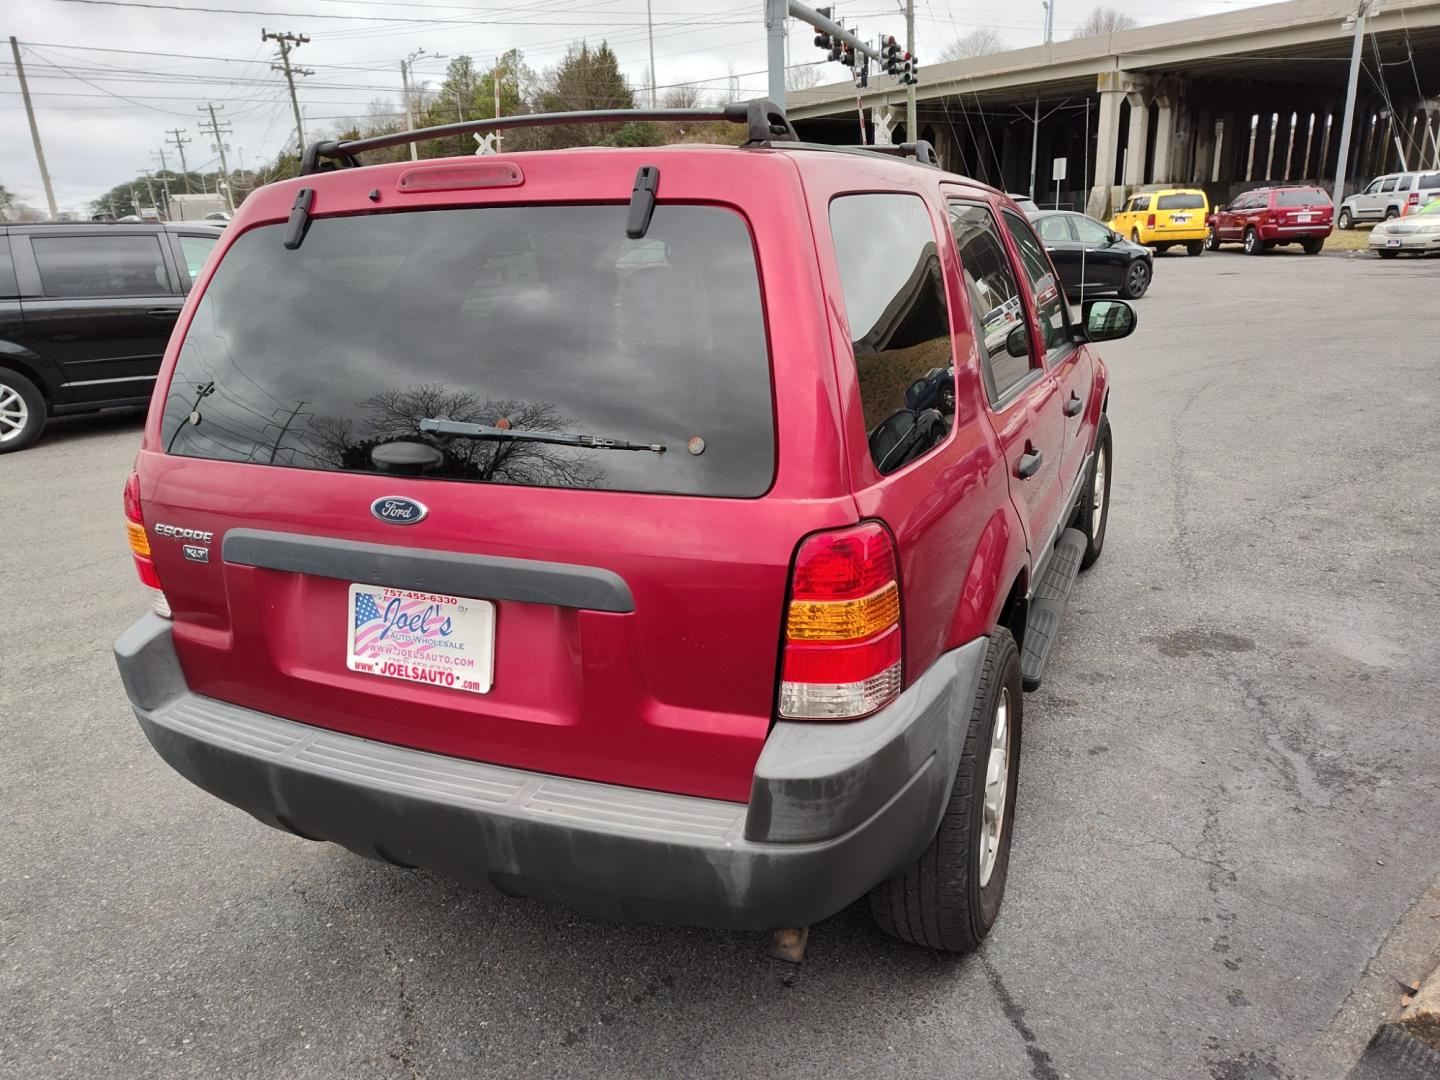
847, 55
909, 70
890, 56
822, 39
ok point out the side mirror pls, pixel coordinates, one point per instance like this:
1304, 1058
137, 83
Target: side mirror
1115, 237
1017, 342
1107, 320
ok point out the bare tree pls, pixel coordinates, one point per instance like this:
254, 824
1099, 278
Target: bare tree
981, 42
1104, 20
801, 77
683, 96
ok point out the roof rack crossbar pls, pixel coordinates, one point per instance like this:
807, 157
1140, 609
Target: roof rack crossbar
920, 150
765, 121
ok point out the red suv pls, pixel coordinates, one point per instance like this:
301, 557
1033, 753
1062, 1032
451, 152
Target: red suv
670, 531
1267, 217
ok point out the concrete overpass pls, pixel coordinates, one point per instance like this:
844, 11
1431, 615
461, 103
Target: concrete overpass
1225, 102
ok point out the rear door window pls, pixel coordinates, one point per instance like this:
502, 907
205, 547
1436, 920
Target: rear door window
8, 286
195, 249
541, 320
101, 265
1182, 201
899, 323
1055, 230
995, 305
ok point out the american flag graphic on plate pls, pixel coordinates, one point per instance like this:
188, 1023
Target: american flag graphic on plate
422, 637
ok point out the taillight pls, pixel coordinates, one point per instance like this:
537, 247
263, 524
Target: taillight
1414, 198
140, 546
842, 628
1150, 222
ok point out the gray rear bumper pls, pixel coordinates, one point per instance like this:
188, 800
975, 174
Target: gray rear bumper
834, 808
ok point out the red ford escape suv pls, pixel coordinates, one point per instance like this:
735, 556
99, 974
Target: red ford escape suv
669, 531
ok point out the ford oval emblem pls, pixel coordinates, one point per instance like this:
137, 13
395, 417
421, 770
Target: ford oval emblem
398, 510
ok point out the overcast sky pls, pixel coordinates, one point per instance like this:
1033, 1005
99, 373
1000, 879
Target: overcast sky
103, 112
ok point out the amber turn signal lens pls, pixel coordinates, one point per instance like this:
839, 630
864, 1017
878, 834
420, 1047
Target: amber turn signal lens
139, 542
844, 620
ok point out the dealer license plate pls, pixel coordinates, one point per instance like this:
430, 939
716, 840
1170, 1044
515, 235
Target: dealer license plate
422, 637
1179, 219
1392, 243
1303, 217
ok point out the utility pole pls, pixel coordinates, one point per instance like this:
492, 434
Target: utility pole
654, 77
180, 143
495, 84
164, 182
407, 68
912, 131
1338, 195
776, 14
34, 130
150, 188
1035, 124
218, 133
288, 41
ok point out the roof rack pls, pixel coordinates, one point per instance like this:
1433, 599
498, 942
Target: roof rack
920, 150
766, 122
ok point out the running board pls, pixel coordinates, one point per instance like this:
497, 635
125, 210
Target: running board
1047, 605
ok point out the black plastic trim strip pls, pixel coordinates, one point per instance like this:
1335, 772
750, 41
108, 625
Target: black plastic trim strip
487, 577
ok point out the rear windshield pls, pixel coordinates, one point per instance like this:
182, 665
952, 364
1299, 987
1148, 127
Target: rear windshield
1428, 181
1180, 202
545, 320
1302, 197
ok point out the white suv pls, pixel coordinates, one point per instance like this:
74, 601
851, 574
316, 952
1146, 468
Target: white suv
1389, 196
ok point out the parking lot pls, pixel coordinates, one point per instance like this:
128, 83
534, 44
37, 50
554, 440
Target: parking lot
1227, 795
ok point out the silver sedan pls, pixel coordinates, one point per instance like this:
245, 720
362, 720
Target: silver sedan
1418, 232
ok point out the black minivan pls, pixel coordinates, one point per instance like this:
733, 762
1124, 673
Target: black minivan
86, 309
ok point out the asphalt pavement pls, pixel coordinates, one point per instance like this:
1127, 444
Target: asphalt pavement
1228, 795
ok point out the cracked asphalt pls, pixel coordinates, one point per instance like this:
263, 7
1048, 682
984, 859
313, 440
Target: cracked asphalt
1228, 795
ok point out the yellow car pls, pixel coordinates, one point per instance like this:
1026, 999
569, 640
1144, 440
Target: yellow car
1162, 218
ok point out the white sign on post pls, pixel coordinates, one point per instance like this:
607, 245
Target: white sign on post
1057, 169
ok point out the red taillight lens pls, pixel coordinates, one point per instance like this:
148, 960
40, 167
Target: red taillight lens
1150, 222
842, 657
140, 545
1414, 198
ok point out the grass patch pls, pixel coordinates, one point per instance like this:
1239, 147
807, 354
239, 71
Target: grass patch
1357, 239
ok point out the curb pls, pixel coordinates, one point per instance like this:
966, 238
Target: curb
1409, 1048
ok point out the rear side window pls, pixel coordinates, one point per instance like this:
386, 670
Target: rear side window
1055, 230
100, 266
995, 302
1302, 197
1183, 201
542, 320
899, 323
196, 250
8, 286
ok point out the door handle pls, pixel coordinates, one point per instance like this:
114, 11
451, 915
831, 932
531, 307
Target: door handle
1073, 406
1028, 465
163, 312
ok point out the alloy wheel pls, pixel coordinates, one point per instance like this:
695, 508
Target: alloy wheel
1097, 503
1137, 278
14, 413
997, 788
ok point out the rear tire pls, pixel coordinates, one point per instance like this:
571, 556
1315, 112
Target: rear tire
1195, 247
1253, 246
1136, 281
22, 411
1135, 236
1391, 213
1094, 510
1313, 247
951, 897
1345, 221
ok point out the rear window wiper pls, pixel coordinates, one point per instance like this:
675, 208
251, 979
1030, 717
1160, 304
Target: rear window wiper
442, 426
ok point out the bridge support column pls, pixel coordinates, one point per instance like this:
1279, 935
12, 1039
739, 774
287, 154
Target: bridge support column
1139, 139
1107, 145
1164, 137
1204, 147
